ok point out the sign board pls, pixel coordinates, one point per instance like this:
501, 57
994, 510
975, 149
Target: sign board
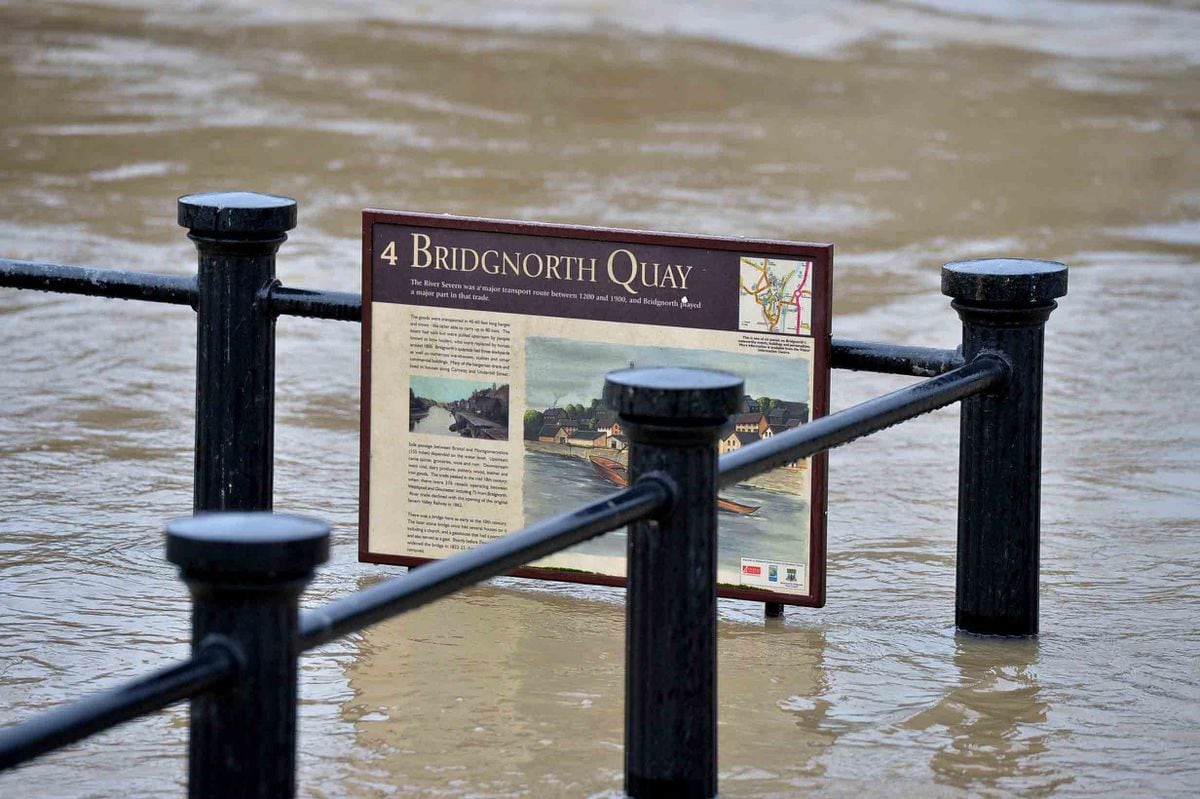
485, 345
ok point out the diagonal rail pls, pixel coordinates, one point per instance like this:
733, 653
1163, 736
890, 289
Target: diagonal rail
819, 435
210, 667
441, 578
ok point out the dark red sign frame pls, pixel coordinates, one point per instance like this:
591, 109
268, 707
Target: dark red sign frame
821, 256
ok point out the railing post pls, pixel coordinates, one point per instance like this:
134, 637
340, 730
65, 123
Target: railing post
237, 235
245, 572
673, 418
1004, 305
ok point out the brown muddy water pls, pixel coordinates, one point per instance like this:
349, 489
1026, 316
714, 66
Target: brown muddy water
907, 133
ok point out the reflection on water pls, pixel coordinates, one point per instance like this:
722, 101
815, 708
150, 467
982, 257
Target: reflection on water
908, 134
557, 722
493, 672
994, 721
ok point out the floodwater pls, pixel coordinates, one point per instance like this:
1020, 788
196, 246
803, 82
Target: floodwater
907, 133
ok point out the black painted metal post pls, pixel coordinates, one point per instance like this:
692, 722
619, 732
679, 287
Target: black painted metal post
1004, 305
245, 572
673, 418
237, 235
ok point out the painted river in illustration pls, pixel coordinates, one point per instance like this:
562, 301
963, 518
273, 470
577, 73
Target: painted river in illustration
553, 484
438, 421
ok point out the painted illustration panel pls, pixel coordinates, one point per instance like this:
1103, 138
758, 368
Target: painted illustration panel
575, 452
485, 345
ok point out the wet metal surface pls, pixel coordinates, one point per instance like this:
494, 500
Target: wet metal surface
909, 134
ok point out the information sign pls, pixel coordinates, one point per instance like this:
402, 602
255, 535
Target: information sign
485, 345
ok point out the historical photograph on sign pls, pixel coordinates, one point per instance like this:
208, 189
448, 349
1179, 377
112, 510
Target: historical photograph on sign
575, 450
447, 406
485, 348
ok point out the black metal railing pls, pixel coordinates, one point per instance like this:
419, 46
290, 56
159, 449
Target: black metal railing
245, 566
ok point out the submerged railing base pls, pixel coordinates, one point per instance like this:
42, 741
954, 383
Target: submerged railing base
1004, 305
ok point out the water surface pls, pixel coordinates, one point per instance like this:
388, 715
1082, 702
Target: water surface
907, 133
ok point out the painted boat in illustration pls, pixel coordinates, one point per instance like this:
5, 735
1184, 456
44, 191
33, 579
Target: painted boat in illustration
615, 473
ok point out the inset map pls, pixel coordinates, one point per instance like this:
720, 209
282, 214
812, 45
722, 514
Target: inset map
775, 296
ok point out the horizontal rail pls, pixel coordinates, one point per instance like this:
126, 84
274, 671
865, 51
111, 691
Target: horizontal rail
65, 725
866, 356
868, 417
443, 577
115, 283
315, 304
893, 359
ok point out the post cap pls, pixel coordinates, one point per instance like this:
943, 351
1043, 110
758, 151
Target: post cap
684, 396
1004, 281
237, 214
228, 545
